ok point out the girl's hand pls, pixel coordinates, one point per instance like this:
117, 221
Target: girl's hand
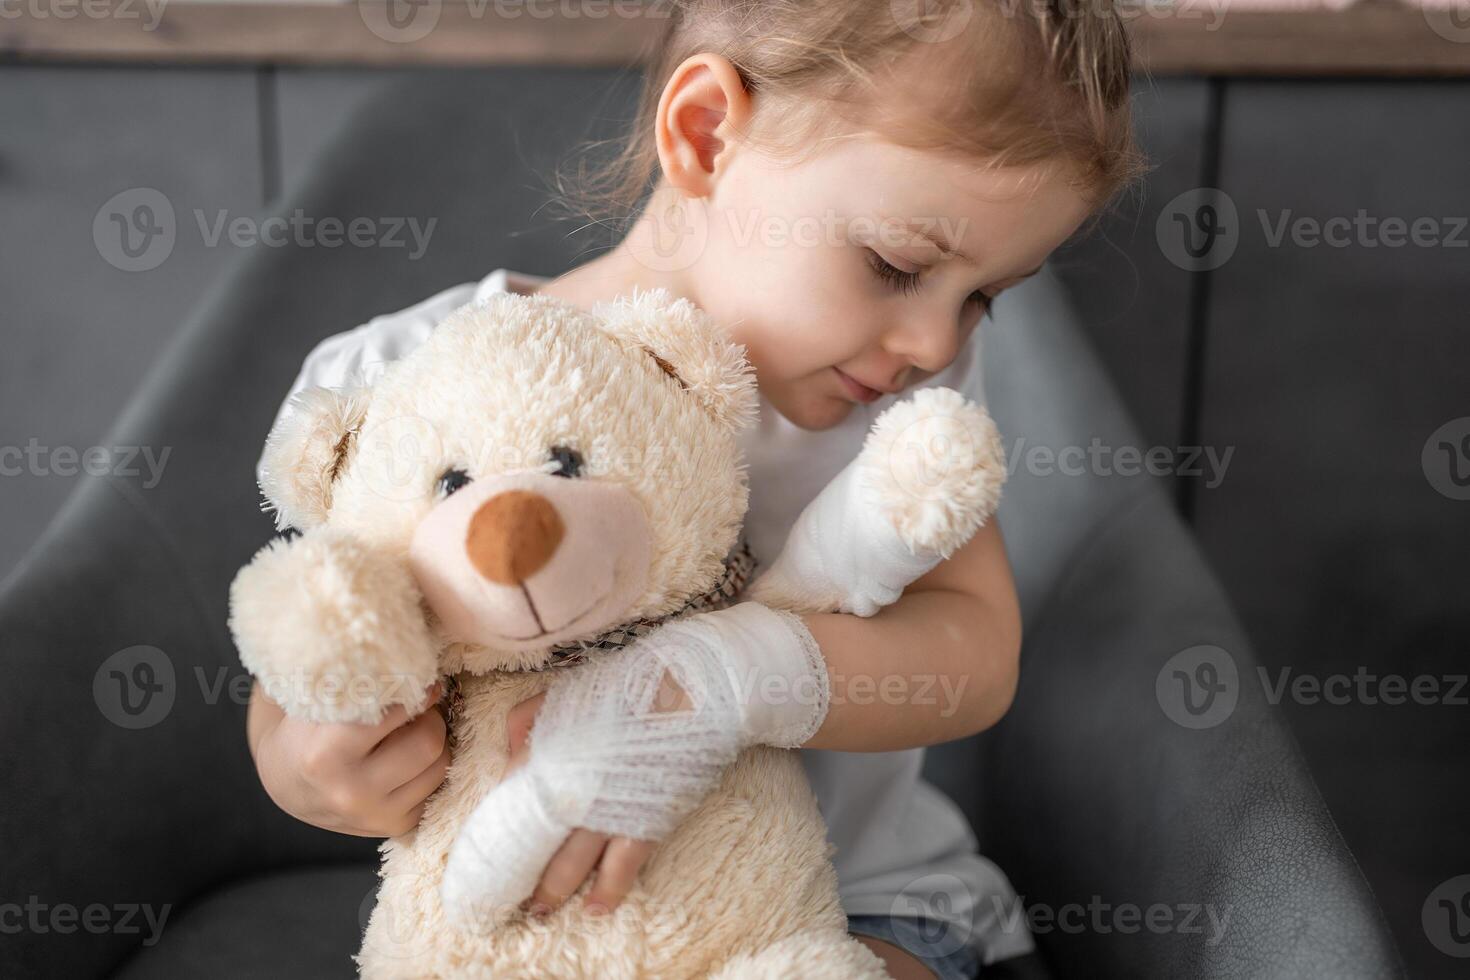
364, 780
614, 861
627, 745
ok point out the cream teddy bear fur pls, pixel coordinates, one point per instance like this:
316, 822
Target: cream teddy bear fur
530, 479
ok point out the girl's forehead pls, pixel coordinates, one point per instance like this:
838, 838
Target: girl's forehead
946, 195
932, 174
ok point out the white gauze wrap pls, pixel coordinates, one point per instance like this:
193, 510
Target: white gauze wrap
850, 557
928, 477
605, 755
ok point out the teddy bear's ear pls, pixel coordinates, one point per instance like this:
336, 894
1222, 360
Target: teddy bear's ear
687, 345
305, 451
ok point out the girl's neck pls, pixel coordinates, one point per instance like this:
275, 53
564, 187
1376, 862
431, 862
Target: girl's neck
639, 260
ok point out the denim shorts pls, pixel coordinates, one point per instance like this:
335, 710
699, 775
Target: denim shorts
933, 942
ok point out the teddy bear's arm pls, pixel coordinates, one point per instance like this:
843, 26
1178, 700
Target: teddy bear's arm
333, 628
928, 477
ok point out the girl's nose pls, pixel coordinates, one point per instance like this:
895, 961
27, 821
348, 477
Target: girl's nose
927, 341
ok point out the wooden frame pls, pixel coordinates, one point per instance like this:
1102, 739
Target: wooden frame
1374, 37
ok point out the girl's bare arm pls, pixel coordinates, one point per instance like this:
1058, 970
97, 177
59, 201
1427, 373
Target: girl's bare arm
939, 664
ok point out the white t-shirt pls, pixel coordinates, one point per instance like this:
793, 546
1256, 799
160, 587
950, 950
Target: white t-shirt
902, 846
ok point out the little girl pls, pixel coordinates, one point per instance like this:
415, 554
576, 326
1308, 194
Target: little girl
848, 185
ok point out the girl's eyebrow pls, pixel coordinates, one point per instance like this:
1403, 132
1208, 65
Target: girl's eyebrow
937, 239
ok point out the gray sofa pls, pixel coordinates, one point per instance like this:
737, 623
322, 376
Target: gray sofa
1089, 794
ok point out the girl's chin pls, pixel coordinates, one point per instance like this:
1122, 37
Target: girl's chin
816, 413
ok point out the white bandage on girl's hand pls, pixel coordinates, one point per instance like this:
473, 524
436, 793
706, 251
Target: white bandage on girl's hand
607, 753
929, 475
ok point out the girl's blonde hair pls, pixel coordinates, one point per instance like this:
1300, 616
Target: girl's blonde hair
1008, 82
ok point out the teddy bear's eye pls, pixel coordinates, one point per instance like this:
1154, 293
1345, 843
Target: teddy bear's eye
568, 461
451, 480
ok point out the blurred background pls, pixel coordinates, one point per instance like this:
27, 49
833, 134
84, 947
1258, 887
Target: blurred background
1284, 306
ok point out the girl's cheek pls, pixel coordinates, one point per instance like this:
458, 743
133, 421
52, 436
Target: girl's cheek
785, 355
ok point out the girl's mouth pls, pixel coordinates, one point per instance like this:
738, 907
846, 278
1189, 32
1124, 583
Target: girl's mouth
856, 389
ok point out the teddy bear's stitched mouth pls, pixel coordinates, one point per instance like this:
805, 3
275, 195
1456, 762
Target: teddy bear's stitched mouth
547, 632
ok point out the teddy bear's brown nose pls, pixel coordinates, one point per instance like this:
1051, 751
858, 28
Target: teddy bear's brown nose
512, 535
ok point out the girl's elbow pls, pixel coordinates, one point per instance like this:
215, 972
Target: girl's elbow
1002, 677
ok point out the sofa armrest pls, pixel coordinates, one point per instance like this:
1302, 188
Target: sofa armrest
127, 779
1102, 794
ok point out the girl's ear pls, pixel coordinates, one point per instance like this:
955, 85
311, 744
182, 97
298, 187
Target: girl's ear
305, 452
682, 340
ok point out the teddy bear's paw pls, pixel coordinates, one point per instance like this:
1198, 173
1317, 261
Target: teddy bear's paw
501, 851
935, 466
928, 476
333, 628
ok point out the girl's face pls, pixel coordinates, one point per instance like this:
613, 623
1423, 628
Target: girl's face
863, 269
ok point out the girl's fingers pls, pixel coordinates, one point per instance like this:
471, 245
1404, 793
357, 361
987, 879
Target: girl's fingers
407, 752
417, 789
365, 737
621, 861
518, 724
571, 865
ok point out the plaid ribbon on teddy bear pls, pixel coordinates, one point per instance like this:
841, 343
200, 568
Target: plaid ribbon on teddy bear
739, 569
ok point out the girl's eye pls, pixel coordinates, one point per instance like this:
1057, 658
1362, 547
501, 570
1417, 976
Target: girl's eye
908, 282
452, 480
568, 461
896, 278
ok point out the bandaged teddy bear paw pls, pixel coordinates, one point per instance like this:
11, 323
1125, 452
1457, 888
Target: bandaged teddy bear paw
929, 475
630, 743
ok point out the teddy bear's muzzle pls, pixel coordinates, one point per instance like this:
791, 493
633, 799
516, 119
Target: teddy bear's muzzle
528, 560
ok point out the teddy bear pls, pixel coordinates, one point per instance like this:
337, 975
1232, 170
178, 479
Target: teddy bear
533, 488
